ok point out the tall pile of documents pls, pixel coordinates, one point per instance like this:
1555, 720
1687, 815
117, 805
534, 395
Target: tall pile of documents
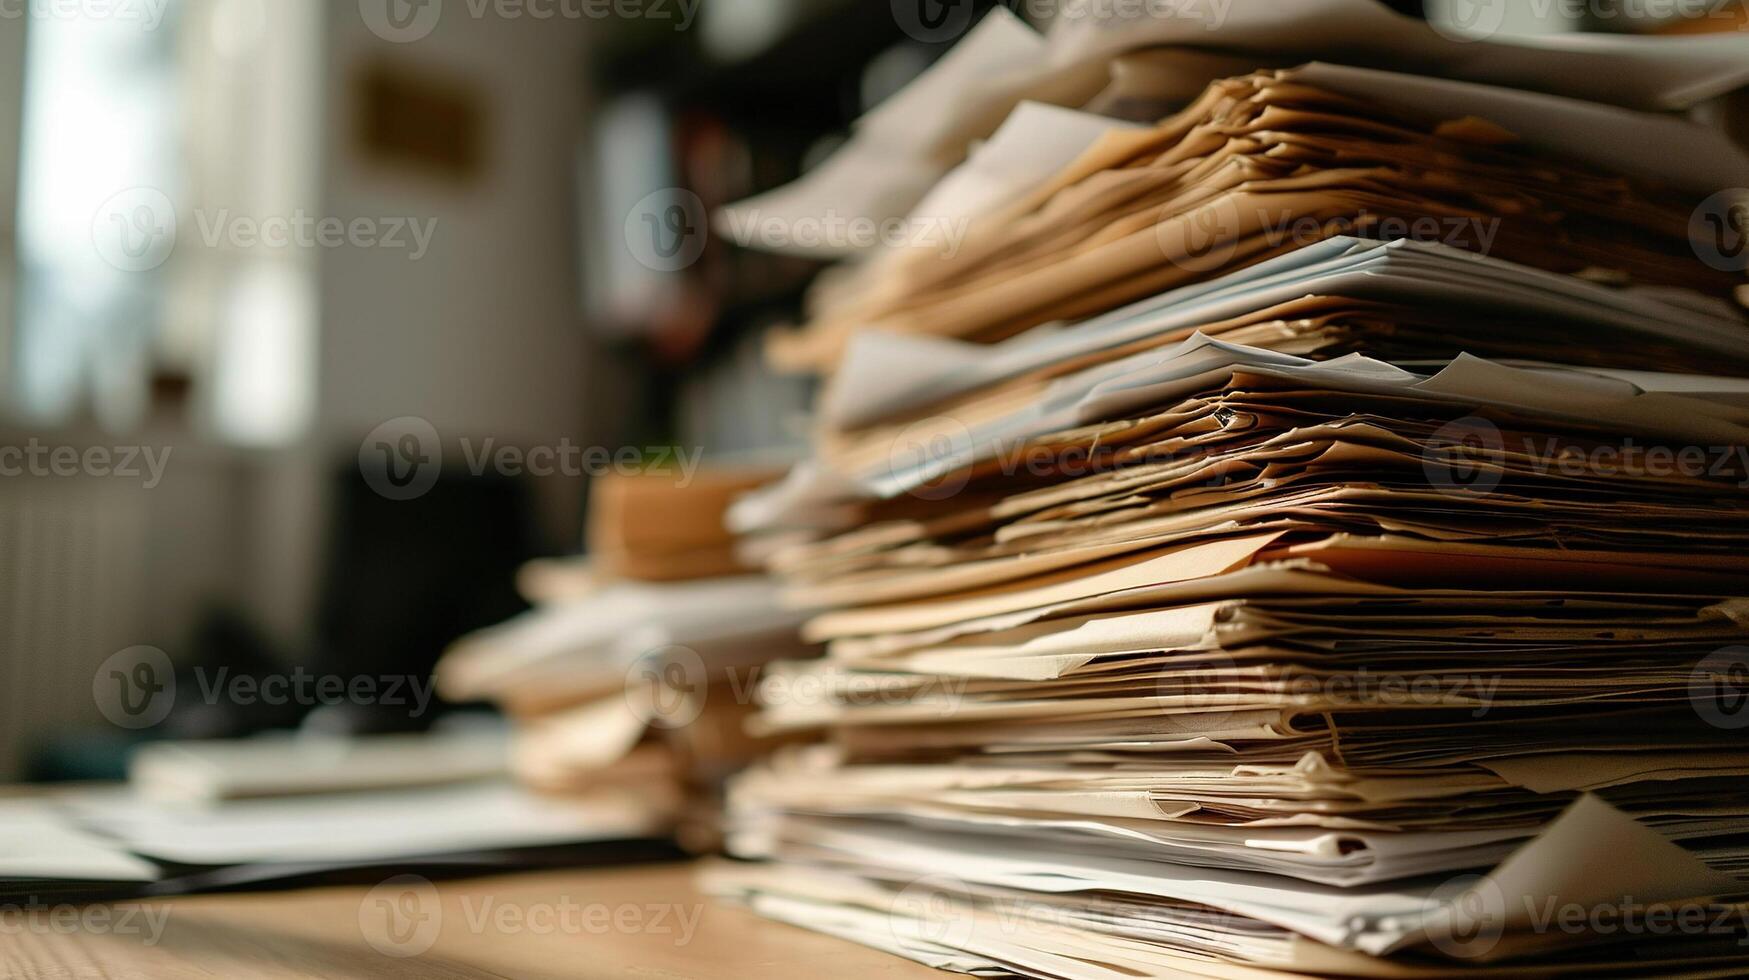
631, 670
1220, 577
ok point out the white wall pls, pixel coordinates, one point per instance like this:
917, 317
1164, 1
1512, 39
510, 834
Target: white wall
481, 336
11, 119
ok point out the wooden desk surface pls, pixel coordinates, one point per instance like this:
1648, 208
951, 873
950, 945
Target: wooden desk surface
647, 922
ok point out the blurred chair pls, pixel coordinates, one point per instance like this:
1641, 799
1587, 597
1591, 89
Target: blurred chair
406, 577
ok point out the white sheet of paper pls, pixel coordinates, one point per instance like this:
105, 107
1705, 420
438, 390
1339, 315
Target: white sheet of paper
40, 842
363, 826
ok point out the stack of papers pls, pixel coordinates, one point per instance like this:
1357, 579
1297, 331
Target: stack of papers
643, 685
163, 836
1200, 602
656, 528
1407, 302
900, 150
1264, 164
1242, 614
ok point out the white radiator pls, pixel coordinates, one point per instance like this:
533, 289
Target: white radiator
72, 592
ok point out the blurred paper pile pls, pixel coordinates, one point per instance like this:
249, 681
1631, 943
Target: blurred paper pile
308, 808
1302, 536
635, 668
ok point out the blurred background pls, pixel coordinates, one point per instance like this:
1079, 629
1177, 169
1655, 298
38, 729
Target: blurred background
250, 248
